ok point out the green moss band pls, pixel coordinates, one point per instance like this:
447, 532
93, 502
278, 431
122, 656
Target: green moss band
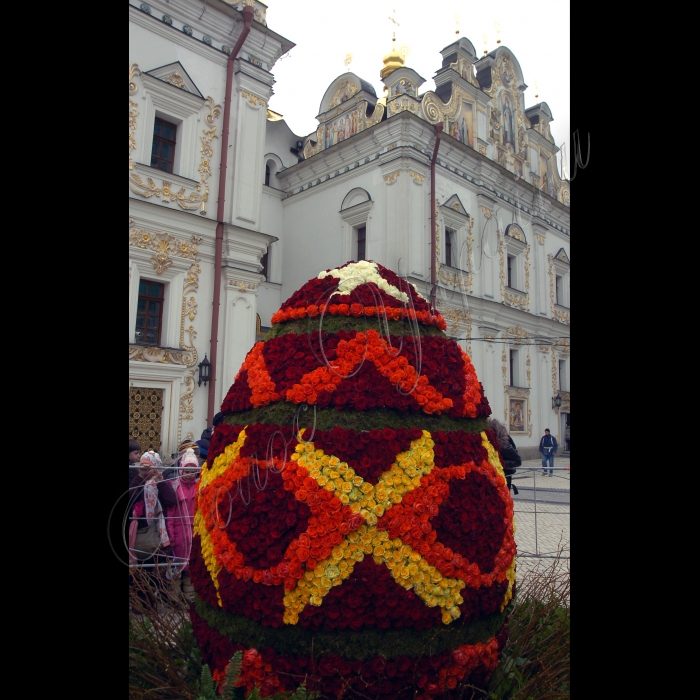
333, 324
282, 413
362, 644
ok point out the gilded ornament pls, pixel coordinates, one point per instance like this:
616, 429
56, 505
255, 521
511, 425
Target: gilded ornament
133, 112
417, 178
402, 104
176, 79
376, 116
254, 99
345, 91
488, 213
557, 314
482, 150
391, 177
243, 286
514, 231
540, 238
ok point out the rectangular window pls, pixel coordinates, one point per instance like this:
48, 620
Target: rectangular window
163, 151
264, 262
361, 240
514, 368
149, 312
512, 276
562, 375
559, 286
449, 234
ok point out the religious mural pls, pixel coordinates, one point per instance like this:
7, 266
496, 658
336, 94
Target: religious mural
462, 127
341, 128
508, 121
546, 177
403, 87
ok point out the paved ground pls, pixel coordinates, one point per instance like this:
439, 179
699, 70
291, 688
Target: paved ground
542, 514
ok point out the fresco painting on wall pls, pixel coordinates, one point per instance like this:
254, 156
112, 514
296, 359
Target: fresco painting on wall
508, 121
403, 87
340, 129
462, 128
517, 413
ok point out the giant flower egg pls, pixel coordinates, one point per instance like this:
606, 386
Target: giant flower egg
354, 529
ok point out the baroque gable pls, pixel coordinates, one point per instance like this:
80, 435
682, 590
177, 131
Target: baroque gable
349, 106
561, 256
176, 75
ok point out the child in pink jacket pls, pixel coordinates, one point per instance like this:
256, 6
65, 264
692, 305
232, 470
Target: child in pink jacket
180, 517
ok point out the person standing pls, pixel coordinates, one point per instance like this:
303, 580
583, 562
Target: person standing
509, 452
548, 448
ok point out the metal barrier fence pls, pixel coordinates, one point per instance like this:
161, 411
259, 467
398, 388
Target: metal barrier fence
542, 511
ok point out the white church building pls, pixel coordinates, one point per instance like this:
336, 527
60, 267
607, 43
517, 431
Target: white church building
456, 189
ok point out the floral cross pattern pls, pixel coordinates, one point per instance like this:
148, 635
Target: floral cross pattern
351, 518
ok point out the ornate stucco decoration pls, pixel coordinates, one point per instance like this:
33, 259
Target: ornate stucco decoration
195, 199
435, 110
517, 331
482, 150
518, 300
186, 403
133, 112
417, 178
345, 91
253, 99
402, 104
557, 314
565, 195
455, 317
376, 116
176, 79
514, 231
392, 177
165, 246
459, 281
488, 213
540, 238
243, 286
465, 70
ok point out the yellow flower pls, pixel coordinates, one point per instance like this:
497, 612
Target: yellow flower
322, 480
346, 487
344, 499
334, 461
378, 510
309, 447
357, 480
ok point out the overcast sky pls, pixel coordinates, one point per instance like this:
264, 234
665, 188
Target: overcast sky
325, 31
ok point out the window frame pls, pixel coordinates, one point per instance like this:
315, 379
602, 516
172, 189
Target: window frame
514, 367
147, 298
360, 240
161, 139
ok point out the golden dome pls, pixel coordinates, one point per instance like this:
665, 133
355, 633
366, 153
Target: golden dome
392, 60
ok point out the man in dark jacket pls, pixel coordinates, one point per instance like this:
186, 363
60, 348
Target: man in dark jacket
548, 448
